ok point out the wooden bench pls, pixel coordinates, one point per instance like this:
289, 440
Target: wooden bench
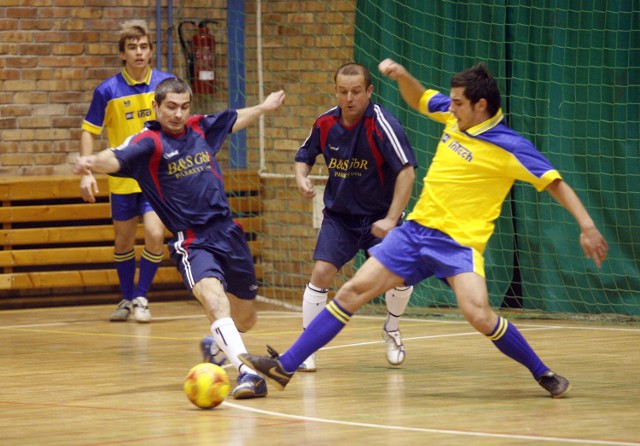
56, 249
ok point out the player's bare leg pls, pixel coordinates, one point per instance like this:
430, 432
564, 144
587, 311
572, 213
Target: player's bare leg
473, 299
226, 337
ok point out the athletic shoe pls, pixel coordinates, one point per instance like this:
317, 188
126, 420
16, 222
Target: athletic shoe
395, 348
558, 386
309, 364
141, 311
268, 366
249, 385
122, 312
211, 352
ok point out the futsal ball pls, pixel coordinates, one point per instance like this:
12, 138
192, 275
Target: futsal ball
206, 385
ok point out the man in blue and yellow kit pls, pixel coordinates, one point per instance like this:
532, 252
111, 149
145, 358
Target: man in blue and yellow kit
122, 104
371, 173
475, 165
174, 161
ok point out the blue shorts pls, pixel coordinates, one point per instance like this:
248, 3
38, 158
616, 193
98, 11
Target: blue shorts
415, 252
341, 236
222, 253
127, 206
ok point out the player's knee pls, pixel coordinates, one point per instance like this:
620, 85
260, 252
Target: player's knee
245, 322
480, 320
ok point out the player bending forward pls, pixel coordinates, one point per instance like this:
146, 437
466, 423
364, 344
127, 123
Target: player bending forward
477, 160
173, 161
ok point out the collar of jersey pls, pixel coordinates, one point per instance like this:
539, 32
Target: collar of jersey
132, 81
486, 125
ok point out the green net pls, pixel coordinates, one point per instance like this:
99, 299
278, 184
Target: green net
569, 73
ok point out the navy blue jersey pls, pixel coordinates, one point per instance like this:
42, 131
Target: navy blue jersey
363, 160
179, 174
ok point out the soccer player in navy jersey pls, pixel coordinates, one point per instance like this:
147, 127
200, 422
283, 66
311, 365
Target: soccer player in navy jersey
371, 173
122, 104
173, 161
475, 165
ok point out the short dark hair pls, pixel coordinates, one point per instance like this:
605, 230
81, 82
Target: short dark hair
354, 69
171, 85
478, 83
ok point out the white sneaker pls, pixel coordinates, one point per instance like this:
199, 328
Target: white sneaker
122, 312
395, 348
309, 364
141, 311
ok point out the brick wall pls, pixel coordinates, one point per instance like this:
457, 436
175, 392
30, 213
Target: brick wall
55, 52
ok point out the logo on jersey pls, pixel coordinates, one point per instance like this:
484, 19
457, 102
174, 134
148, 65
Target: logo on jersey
346, 168
126, 103
144, 113
128, 116
170, 155
333, 147
189, 165
457, 148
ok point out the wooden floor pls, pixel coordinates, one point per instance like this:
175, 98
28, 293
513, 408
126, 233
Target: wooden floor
69, 377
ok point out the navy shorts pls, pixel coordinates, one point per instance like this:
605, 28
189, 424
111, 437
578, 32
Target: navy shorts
127, 206
222, 253
415, 252
341, 236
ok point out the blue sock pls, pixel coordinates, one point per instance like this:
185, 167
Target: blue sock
126, 268
149, 264
324, 327
509, 341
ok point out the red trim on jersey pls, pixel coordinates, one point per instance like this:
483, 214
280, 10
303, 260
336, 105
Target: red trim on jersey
154, 161
194, 123
369, 125
325, 123
189, 237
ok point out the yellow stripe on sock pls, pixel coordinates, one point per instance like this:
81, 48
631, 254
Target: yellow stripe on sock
123, 257
155, 258
501, 330
338, 313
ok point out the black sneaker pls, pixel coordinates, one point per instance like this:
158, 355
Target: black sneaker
268, 366
558, 386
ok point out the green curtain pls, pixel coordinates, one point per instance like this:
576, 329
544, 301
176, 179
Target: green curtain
570, 78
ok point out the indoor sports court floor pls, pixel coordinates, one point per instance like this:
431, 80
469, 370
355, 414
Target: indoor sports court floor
69, 377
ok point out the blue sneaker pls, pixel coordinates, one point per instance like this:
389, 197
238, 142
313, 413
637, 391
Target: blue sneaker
249, 386
211, 352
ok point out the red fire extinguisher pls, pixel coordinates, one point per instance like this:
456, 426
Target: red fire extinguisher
204, 49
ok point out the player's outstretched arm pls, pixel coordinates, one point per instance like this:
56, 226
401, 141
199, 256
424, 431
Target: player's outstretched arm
104, 162
593, 243
247, 115
410, 88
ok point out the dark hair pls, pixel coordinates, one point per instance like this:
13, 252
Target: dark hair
171, 85
478, 83
354, 69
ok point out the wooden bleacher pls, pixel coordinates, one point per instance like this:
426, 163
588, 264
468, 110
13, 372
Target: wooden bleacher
56, 249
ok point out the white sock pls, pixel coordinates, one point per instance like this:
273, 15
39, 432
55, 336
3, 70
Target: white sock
313, 302
396, 299
230, 342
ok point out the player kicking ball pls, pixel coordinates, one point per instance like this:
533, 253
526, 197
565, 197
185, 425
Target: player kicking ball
477, 160
173, 161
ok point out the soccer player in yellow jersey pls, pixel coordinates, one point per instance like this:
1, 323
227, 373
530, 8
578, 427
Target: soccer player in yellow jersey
476, 163
122, 104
